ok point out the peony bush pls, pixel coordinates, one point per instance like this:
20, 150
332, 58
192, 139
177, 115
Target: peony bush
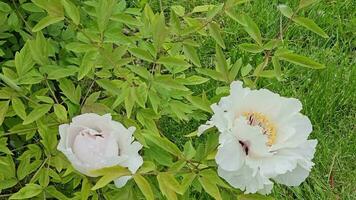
84, 85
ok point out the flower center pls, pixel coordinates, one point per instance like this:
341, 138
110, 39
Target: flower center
258, 119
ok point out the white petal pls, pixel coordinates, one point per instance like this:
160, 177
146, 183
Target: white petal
244, 180
63, 132
230, 155
134, 160
120, 182
93, 121
253, 136
293, 178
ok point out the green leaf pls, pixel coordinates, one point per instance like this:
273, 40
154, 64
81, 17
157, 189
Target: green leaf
301, 60
285, 10
187, 181
306, 3
277, 67
221, 64
109, 86
211, 73
37, 113
141, 71
142, 54
246, 70
87, 64
61, 112
141, 95
19, 107
252, 29
164, 143
310, 25
144, 186
202, 8
23, 60
200, 103
191, 54
109, 174
253, 197
215, 32
235, 69
4, 105
159, 30
8, 183
10, 82
69, 90
4, 148
154, 99
210, 187
172, 61
72, 11
4, 7
194, 80
46, 21
130, 100
51, 190
253, 48
179, 10
171, 182
104, 10
126, 19
30, 190
80, 47
166, 191
169, 82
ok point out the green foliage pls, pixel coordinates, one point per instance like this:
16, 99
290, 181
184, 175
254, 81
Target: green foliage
60, 58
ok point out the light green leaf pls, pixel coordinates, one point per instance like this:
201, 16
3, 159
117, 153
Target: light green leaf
179, 10
4, 7
246, 70
166, 191
46, 21
10, 82
285, 10
80, 47
142, 54
130, 100
72, 11
4, 105
215, 32
306, 3
235, 69
55, 193
194, 80
191, 54
211, 73
144, 186
154, 99
87, 64
301, 60
252, 29
311, 25
277, 67
30, 190
141, 95
141, 71
61, 112
69, 90
253, 48
202, 8
210, 187
164, 143
126, 19
221, 64
37, 113
19, 107
172, 61
109, 86
109, 174
104, 10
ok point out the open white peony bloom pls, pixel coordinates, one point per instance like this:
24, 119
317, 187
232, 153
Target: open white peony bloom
263, 136
92, 142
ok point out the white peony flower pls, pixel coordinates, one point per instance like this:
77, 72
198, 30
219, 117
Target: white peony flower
92, 142
263, 136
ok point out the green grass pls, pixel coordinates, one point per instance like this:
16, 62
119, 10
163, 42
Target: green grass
328, 96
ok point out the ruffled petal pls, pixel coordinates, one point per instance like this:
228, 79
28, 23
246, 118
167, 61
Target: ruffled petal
245, 180
293, 178
230, 155
121, 182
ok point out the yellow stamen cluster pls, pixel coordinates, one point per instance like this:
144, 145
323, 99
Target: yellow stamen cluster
258, 119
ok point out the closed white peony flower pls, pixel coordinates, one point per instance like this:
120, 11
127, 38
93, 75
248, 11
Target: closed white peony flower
92, 142
263, 136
